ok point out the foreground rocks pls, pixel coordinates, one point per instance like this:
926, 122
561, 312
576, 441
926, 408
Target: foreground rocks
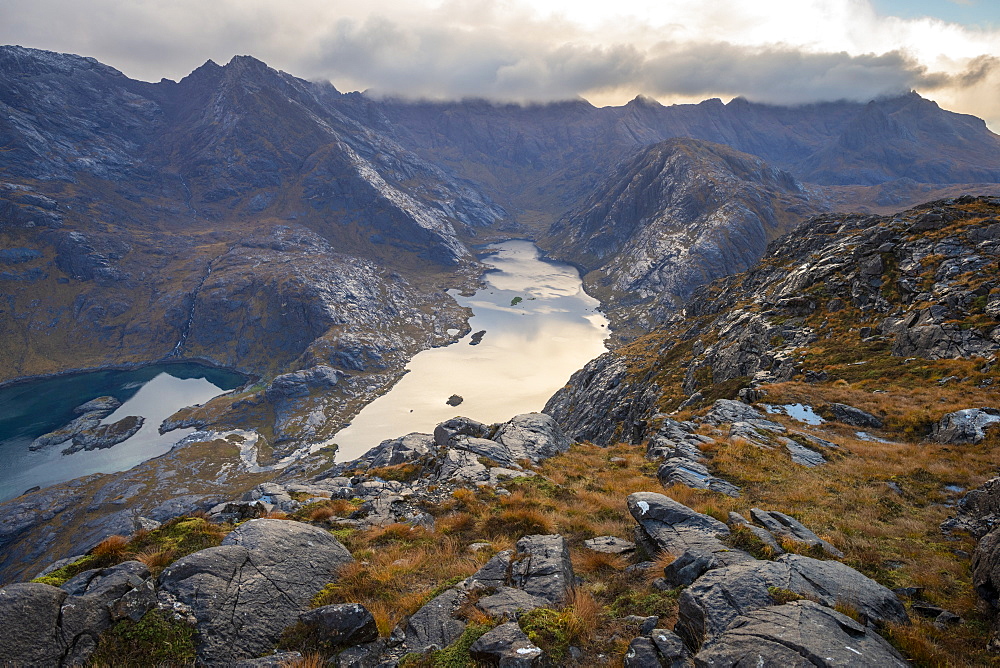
271, 565
52, 626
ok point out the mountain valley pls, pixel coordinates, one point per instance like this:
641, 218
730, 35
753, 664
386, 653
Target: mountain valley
805, 318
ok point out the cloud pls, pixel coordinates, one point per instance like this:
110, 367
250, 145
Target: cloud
782, 51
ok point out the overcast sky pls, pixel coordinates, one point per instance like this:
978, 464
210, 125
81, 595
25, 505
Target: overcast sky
778, 51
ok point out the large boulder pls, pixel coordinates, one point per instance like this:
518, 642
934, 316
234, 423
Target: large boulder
399, 450
668, 526
30, 633
801, 633
966, 426
709, 606
534, 436
459, 426
243, 593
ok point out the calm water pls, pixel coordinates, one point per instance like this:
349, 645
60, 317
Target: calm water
529, 351
155, 392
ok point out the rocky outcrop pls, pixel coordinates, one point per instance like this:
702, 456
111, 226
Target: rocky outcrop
668, 526
52, 626
801, 633
275, 565
966, 426
710, 605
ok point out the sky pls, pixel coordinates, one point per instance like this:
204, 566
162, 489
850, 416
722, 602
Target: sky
771, 51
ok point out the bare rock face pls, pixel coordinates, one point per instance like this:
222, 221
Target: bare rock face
801, 633
272, 565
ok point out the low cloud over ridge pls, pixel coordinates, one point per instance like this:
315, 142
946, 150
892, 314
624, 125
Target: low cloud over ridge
789, 52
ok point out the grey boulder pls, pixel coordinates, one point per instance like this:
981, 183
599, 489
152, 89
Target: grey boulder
710, 605
534, 436
668, 526
506, 646
268, 565
399, 450
966, 426
854, 416
800, 634
343, 624
459, 426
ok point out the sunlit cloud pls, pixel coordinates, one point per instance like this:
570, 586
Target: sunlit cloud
783, 51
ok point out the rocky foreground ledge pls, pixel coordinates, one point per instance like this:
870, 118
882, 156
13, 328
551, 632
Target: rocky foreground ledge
758, 591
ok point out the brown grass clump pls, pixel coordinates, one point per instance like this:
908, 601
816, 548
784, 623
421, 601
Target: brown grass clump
312, 660
517, 522
598, 563
111, 550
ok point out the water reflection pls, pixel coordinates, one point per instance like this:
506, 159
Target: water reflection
155, 392
540, 327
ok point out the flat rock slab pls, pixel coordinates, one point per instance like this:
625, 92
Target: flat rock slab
609, 545
801, 633
710, 605
510, 603
243, 593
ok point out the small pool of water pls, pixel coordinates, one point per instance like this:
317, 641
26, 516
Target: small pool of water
540, 327
801, 412
28, 410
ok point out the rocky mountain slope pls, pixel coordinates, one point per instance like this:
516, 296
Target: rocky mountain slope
703, 528
677, 215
